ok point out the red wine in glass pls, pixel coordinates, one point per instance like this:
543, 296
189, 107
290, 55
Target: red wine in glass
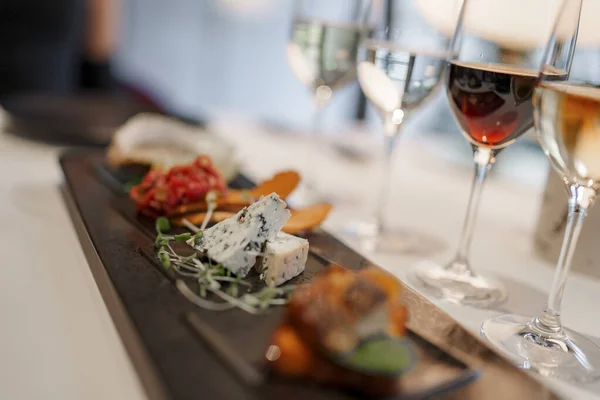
492, 103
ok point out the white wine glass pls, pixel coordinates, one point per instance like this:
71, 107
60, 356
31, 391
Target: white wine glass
400, 66
567, 119
321, 53
490, 79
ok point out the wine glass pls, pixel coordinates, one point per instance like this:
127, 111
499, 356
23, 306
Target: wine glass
321, 53
567, 118
490, 79
400, 65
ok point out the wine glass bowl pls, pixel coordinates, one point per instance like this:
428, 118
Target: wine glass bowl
321, 55
567, 117
398, 79
491, 103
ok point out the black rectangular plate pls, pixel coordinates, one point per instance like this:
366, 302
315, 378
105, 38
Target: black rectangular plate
185, 352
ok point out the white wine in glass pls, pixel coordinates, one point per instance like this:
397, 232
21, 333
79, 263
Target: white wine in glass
321, 53
567, 120
398, 78
399, 68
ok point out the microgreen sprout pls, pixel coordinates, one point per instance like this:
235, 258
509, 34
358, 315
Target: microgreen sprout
164, 258
183, 237
186, 222
162, 225
211, 203
197, 236
136, 180
211, 278
211, 196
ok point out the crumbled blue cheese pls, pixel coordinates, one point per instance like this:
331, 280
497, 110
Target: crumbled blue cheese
283, 258
237, 241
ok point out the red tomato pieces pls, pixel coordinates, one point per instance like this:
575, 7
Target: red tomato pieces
160, 192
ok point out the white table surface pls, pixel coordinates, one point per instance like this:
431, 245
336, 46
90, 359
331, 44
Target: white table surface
57, 340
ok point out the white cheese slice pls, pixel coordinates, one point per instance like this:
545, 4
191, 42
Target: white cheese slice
237, 241
283, 258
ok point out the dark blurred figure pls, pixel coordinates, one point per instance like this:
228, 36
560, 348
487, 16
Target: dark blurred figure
55, 78
57, 47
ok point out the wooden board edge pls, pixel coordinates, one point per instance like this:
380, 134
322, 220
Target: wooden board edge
148, 375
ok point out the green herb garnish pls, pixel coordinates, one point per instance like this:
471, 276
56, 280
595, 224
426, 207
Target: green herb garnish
380, 355
210, 277
162, 225
136, 180
197, 236
164, 258
183, 237
211, 203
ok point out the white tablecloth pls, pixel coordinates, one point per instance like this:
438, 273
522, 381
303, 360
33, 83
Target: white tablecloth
57, 339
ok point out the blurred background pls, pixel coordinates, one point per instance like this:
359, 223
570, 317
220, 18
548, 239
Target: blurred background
203, 60
199, 59
231, 58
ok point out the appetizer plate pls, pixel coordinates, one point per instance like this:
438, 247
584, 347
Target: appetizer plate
181, 351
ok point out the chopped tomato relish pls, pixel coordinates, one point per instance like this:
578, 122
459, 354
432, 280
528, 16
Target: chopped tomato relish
162, 191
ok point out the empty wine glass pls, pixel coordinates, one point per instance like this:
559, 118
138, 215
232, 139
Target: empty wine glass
322, 55
490, 79
567, 117
400, 65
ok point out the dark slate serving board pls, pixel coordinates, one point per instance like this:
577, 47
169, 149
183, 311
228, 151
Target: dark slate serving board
184, 352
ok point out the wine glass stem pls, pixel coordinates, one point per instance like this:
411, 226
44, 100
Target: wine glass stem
579, 202
391, 131
317, 116
484, 158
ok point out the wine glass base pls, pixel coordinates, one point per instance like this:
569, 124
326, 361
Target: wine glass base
568, 355
395, 240
448, 285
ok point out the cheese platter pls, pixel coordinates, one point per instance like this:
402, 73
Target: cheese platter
219, 290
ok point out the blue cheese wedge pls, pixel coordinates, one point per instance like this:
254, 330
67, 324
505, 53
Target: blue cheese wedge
239, 240
283, 258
